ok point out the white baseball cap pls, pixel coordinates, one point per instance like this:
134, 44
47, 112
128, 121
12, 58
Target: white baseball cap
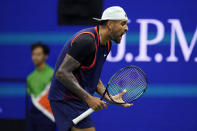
113, 13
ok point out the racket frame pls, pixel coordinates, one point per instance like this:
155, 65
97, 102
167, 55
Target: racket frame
106, 90
90, 110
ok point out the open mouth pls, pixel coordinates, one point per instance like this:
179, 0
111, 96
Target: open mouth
122, 34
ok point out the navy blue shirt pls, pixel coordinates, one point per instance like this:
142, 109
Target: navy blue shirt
85, 47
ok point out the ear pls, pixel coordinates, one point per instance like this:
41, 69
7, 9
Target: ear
109, 24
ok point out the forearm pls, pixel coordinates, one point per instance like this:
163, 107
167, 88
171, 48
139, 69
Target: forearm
66, 77
101, 89
70, 82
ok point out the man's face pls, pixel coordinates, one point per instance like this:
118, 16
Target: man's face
38, 56
118, 28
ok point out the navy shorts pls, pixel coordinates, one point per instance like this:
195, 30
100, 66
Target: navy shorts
65, 111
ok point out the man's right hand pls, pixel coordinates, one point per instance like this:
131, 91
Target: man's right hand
95, 103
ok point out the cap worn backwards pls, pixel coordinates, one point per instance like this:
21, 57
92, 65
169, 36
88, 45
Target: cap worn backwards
113, 13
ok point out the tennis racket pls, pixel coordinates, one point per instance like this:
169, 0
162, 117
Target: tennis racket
131, 80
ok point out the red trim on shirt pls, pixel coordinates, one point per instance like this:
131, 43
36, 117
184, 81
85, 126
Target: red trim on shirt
87, 67
108, 47
80, 34
96, 29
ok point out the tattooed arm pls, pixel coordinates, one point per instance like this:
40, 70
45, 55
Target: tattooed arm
65, 75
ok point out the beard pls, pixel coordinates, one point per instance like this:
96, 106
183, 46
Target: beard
117, 39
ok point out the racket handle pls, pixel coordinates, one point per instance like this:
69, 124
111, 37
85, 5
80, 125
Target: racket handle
83, 115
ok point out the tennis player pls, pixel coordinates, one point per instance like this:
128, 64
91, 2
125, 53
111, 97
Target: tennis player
78, 69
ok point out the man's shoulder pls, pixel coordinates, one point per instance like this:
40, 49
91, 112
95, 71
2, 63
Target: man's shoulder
87, 33
85, 38
84, 41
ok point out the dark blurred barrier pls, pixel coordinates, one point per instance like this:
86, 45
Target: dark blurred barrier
12, 79
78, 12
12, 125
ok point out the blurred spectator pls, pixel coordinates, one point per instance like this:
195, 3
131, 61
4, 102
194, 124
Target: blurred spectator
39, 115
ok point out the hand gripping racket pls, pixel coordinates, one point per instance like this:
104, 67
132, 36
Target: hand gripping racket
131, 80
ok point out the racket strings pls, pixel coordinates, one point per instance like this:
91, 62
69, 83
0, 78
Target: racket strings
136, 91
130, 79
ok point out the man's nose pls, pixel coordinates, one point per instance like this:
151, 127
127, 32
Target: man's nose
126, 28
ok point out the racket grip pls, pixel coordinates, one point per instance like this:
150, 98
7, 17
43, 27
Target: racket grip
83, 115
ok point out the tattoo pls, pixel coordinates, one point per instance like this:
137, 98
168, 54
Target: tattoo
65, 75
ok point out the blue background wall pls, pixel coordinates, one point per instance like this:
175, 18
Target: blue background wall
170, 103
